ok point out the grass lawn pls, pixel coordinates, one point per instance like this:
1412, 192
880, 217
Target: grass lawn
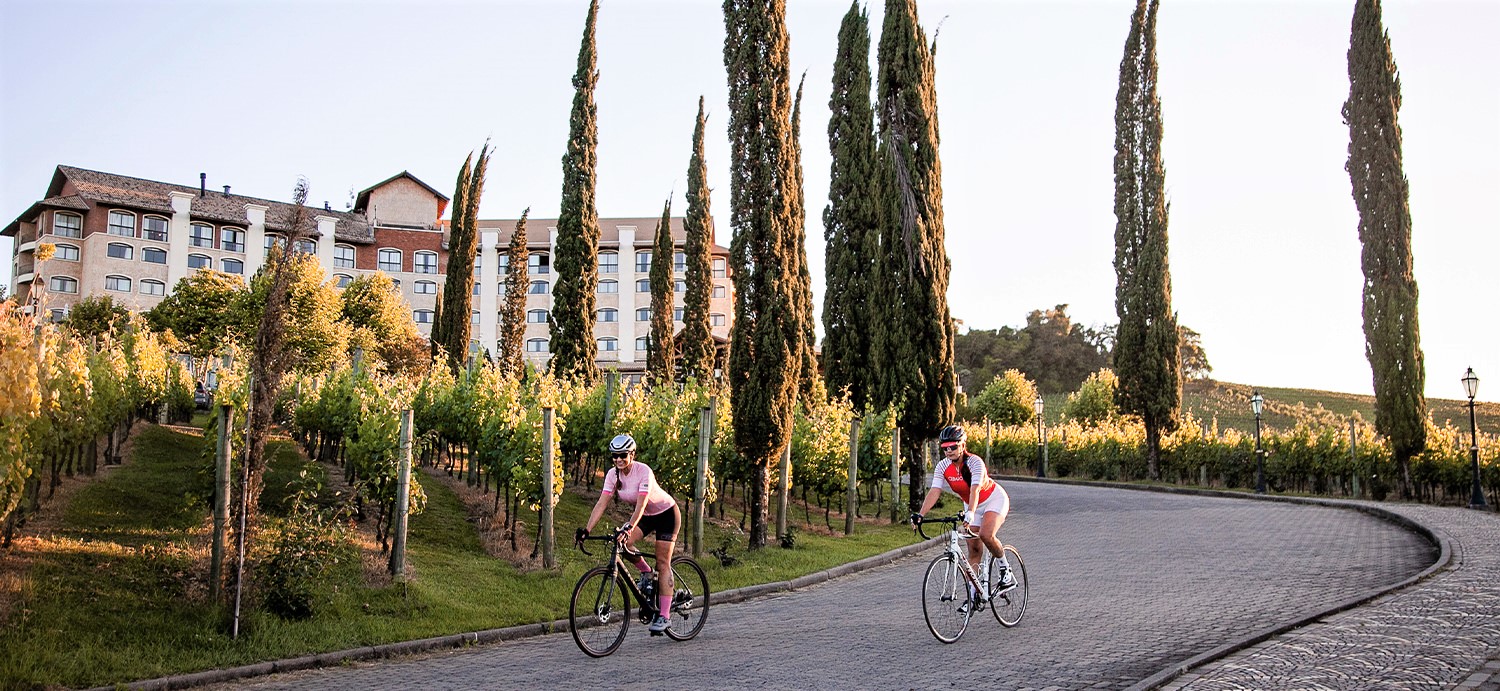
119, 593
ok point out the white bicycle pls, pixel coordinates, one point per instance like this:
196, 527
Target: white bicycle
944, 589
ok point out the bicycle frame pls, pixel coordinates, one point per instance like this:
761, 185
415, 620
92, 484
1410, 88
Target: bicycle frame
646, 605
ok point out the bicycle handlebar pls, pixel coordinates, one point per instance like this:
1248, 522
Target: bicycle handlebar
951, 520
615, 535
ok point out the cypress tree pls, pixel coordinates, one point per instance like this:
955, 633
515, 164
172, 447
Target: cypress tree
572, 320
456, 226
766, 342
804, 301
849, 218
697, 332
462, 247
1146, 346
659, 345
513, 312
1392, 340
912, 342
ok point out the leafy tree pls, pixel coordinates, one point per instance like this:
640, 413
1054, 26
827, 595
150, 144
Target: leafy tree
659, 345
572, 319
697, 333
849, 218
1146, 343
1009, 399
97, 315
513, 312
1392, 340
1058, 354
912, 341
766, 343
207, 311
1094, 402
1190, 353
379, 322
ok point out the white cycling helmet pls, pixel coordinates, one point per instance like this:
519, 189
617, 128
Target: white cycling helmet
622, 443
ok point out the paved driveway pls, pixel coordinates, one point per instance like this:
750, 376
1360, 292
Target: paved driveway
1122, 583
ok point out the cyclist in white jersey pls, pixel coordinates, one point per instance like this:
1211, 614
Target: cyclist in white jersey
985, 501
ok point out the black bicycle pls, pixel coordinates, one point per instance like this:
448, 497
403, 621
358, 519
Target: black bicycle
946, 602
599, 613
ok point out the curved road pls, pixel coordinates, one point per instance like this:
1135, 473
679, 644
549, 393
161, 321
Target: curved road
1122, 583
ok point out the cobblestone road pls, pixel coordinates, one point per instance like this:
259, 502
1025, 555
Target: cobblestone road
1436, 634
1124, 583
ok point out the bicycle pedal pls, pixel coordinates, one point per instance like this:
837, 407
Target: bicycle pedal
657, 633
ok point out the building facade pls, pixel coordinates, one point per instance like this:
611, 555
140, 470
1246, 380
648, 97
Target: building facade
133, 239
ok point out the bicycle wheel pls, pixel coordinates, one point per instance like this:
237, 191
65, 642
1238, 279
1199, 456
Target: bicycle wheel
943, 591
1008, 604
599, 613
689, 599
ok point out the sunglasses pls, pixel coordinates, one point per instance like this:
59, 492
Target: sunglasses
618, 456
947, 447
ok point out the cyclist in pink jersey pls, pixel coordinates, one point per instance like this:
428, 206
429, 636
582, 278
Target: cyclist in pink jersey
985, 501
655, 512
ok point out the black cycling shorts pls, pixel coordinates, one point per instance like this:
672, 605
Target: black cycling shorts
663, 524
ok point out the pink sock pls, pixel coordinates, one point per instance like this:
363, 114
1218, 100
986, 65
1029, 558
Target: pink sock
664, 605
640, 563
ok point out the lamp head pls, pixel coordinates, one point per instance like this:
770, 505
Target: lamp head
1037, 405
1257, 403
1471, 383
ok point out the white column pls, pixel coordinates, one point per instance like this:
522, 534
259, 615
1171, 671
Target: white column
326, 225
177, 237
489, 272
255, 238
627, 293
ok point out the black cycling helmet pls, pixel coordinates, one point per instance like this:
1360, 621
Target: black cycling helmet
622, 443
952, 433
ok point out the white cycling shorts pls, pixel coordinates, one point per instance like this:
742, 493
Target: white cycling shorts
999, 502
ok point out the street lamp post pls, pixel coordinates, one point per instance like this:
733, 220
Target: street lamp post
1471, 387
1041, 442
1256, 405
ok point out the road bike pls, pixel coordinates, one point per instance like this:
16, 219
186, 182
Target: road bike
945, 591
599, 613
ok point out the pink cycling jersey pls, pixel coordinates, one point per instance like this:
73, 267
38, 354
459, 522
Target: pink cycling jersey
639, 481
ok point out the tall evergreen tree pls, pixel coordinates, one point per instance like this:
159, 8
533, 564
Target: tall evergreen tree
659, 360
513, 312
462, 246
912, 341
849, 218
574, 349
1392, 340
1146, 344
766, 342
804, 299
440, 327
697, 332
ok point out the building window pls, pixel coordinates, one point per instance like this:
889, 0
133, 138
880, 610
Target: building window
539, 264
609, 286
609, 345
425, 288
200, 261
719, 267
719, 292
343, 256
120, 251
677, 314
643, 314
232, 266
537, 288
477, 285
154, 228
643, 262
231, 239
67, 225
643, 285
422, 316
68, 253
715, 320
389, 260
474, 317
679, 286
536, 345
396, 283
609, 314
679, 262
609, 262
504, 263
122, 224
536, 316
154, 255
63, 284
425, 262
200, 235
642, 343
273, 241
343, 280
56, 315
306, 246
119, 283
153, 287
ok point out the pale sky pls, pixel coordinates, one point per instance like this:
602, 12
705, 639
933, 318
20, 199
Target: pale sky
1264, 246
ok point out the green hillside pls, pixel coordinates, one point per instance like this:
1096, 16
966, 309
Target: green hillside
1230, 405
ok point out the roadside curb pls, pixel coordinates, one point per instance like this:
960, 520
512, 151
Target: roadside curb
1177, 669
463, 640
